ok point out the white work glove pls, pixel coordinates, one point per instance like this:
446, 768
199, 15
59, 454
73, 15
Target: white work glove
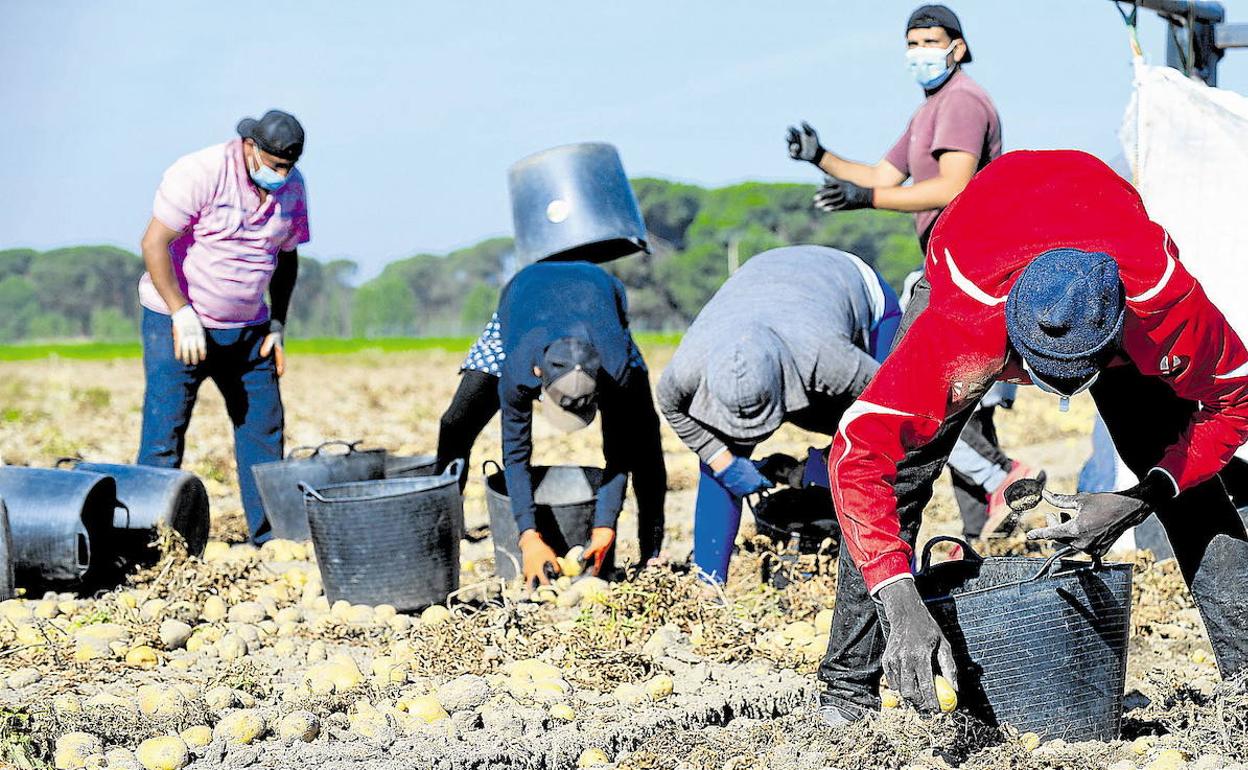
273, 344
190, 345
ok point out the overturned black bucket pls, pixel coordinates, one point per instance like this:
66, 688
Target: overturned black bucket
1040, 644
60, 522
153, 497
565, 495
7, 585
279, 482
388, 541
405, 466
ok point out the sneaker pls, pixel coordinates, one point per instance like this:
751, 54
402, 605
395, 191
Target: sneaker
833, 715
1001, 518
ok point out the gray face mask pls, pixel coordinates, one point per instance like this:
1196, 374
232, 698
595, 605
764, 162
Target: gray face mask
1064, 404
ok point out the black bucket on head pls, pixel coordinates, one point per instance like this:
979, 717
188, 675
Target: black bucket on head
566, 496
1040, 644
57, 518
403, 466
279, 482
151, 497
7, 585
388, 541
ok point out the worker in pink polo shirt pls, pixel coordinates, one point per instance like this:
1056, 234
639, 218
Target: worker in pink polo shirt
226, 225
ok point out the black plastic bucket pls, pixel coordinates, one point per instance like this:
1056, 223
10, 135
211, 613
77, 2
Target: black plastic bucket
565, 516
56, 519
153, 497
388, 541
798, 519
279, 482
1040, 644
403, 466
7, 585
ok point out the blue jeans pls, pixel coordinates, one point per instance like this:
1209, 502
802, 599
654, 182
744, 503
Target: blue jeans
247, 381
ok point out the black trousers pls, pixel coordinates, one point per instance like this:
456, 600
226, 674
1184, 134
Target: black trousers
630, 439
1144, 417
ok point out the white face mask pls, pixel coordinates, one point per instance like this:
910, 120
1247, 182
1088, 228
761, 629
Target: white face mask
929, 65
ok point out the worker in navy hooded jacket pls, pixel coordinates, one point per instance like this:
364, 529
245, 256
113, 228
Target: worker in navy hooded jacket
1046, 270
564, 326
561, 334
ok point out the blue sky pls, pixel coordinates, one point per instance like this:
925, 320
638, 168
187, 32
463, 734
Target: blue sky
414, 110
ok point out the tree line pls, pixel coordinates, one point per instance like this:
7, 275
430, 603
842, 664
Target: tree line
697, 234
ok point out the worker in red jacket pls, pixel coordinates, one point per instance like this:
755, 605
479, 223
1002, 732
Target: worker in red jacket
1046, 270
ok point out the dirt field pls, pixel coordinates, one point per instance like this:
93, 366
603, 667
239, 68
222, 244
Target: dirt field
242, 655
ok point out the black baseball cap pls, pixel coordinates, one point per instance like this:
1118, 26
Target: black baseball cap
277, 133
939, 16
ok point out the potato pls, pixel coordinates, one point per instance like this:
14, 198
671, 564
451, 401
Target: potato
945, 693
1029, 741
889, 699
220, 698
240, 727
533, 670
299, 726
435, 616
161, 701
168, 752
214, 609
215, 551
823, 622
424, 707
66, 703
659, 687
593, 757
73, 750
562, 711
142, 657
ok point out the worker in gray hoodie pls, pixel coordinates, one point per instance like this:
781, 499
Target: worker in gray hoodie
794, 336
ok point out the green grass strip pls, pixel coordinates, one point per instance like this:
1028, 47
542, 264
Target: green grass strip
98, 351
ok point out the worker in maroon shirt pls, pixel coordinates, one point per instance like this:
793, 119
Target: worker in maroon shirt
954, 133
1048, 271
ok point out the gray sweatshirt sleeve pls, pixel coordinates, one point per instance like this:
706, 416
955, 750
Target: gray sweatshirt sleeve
676, 389
844, 367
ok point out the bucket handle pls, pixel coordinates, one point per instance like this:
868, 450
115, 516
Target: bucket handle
61, 462
967, 551
1053, 563
316, 450
308, 491
485, 467
755, 499
452, 470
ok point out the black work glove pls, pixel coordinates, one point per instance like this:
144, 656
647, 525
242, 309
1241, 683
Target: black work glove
839, 195
914, 640
1104, 516
804, 144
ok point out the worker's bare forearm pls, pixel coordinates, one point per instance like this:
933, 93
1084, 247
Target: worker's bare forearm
282, 286
921, 196
851, 171
159, 264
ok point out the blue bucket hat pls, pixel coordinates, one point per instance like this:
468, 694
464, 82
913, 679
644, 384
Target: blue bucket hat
1065, 312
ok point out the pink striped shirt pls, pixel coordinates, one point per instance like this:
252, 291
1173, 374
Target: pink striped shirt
228, 249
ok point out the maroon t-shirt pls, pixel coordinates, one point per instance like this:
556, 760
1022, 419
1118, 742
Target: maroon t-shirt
960, 117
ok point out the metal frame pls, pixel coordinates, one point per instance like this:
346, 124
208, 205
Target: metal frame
1199, 35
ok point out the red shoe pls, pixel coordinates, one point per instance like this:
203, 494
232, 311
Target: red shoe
1001, 518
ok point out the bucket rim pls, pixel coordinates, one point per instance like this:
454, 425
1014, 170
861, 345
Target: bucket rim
501, 474
420, 483
1066, 568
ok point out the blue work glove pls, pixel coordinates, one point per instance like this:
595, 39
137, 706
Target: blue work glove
742, 478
